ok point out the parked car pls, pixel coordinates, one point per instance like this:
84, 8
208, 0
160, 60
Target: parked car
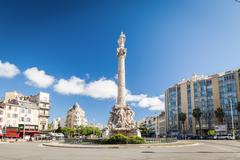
226, 136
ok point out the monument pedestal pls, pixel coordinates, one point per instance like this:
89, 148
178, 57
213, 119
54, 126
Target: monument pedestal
121, 121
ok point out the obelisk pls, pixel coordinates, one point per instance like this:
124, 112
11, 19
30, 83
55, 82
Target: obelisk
121, 54
121, 116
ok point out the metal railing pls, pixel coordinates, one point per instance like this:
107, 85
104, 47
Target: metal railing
160, 140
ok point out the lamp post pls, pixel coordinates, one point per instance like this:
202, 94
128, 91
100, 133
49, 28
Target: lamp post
24, 127
24, 123
233, 128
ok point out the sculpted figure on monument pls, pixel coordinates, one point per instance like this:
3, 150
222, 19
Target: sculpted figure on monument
121, 116
130, 115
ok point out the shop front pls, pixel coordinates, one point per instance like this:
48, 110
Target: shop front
28, 130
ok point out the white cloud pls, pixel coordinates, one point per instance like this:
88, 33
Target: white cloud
134, 98
144, 101
106, 89
153, 103
74, 86
101, 89
8, 70
38, 78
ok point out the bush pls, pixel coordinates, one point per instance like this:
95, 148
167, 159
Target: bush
135, 140
118, 139
121, 139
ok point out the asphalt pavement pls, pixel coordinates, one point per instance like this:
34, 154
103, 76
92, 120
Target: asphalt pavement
207, 150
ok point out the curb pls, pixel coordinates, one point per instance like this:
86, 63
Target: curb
80, 146
59, 145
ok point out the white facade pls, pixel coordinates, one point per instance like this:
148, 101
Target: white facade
43, 101
75, 116
16, 115
30, 111
58, 122
155, 124
2, 113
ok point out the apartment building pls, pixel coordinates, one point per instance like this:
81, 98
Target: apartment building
204, 92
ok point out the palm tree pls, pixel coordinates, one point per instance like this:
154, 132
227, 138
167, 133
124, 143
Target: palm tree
238, 110
182, 118
219, 114
197, 113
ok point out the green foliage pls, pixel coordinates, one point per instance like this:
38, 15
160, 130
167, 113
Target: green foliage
81, 130
122, 139
118, 139
182, 117
238, 106
144, 130
197, 113
219, 113
135, 140
58, 130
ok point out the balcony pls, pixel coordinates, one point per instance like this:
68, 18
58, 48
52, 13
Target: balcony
43, 115
44, 106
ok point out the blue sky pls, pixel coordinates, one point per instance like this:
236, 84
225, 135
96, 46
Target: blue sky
166, 41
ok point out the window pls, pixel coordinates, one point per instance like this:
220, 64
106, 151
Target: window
15, 109
1, 119
22, 119
22, 110
8, 115
9, 108
29, 111
1, 112
0, 127
28, 119
15, 115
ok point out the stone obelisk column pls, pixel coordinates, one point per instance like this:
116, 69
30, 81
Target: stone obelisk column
121, 54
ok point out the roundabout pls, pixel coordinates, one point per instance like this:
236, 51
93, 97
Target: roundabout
181, 150
117, 146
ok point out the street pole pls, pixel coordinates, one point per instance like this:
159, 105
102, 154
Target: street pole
233, 128
24, 119
24, 128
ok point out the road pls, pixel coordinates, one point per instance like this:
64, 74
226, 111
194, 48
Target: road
207, 150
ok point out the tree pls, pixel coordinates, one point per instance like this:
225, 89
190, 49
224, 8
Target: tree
144, 130
88, 130
59, 129
69, 132
197, 113
182, 118
238, 110
219, 114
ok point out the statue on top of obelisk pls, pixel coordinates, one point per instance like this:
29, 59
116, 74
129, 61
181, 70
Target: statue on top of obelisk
121, 117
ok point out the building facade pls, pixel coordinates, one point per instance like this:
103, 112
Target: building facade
75, 116
156, 125
58, 122
161, 128
24, 113
204, 92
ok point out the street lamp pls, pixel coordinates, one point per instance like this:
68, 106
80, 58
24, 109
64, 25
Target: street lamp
231, 106
24, 123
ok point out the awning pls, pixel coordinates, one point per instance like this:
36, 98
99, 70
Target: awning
30, 131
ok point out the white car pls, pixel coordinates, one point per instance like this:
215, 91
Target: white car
228, 136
